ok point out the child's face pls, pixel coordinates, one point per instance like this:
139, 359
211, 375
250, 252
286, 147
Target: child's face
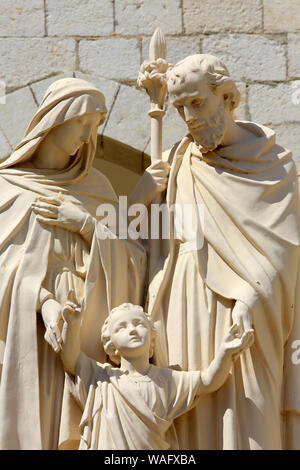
130, 333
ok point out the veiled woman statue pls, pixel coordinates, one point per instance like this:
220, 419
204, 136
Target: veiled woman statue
49, 197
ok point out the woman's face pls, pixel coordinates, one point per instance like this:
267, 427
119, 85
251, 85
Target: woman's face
71, 135
62, 142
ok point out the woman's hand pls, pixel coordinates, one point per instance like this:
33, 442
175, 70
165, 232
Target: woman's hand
52, 211
51, 312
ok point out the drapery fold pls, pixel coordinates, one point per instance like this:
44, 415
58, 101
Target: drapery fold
250, 197
32, 379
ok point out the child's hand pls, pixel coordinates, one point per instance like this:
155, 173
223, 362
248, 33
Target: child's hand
71, 312
71, 308
235, 345
231, 347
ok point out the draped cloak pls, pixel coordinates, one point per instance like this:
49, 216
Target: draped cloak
123, 412
38, 261
248, 192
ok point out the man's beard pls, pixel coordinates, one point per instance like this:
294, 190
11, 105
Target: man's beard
211, 134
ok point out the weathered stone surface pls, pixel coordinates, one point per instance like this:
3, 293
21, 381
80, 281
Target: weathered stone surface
177, 48
281, 16
248, 56
222, 15
143, 16
39, 88
129, 121
275, 104
26, 60
116, 58
16, 114
108, 87
294, 55
79, 17
5, 148
288, 136
19, 18
241, 112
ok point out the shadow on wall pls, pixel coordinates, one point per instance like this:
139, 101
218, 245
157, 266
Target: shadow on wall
123, 165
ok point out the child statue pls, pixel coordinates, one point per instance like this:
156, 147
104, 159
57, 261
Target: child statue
132, 406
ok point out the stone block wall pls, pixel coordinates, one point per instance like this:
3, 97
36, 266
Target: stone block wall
106, 40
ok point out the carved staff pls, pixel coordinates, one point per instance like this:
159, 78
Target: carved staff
152, 78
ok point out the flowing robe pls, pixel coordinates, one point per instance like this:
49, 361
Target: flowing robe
249, 195
34, 257
122, 412
38, 261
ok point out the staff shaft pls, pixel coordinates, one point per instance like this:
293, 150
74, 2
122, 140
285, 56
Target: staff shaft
156, 133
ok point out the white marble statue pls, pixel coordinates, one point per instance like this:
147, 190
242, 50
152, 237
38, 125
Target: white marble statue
132, 407
204, 299
245, 273
48, 203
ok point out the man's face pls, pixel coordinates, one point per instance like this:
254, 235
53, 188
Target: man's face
199, 107
130, 333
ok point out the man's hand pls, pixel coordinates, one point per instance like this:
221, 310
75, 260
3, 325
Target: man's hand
153, 182
158, 173
241, 316
52, 316
52, 211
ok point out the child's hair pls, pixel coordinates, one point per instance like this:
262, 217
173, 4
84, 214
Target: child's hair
108, 345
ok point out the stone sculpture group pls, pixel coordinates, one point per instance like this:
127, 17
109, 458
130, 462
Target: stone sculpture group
213, 306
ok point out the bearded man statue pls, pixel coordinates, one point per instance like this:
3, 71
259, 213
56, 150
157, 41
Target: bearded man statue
244, 272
